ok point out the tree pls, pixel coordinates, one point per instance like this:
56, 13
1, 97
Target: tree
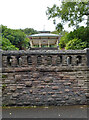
16, 37
63, 40
71, 12
19, 39
6, 45
29, 31
75, 44
78, 39
80, 33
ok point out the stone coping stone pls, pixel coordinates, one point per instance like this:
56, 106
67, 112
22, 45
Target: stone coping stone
45, 52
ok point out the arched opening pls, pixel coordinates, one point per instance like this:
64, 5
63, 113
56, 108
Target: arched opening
9, 60
39, 60
29, 60
78, 60
69, 60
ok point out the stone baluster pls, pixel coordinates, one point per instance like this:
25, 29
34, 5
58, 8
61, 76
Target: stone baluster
4, 61
44, 60
24, 61
13, 61
34, 61
84, 61
64, 60
54, 58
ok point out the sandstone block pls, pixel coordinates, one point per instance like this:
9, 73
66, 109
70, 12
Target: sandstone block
12, 102
67, 83
35, 74
87, 95
37, 99
67, 90
28, 83
19, 87
13, 88
55, 87
58, 99
44, 93
60, 92
24, 92
51, 93
48, 79
41, 87
17, 77
50, 99
31, 91
54, 96
15, 94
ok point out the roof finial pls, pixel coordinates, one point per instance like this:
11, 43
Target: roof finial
44, 28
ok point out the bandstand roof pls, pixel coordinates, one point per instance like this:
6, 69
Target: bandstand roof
44, 35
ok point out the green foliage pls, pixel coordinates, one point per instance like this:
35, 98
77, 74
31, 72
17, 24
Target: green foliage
4, 76
15, 39
6, 45
75, 44
78, 39
59, 27
81, 33
72, 12
29, 31
63, 41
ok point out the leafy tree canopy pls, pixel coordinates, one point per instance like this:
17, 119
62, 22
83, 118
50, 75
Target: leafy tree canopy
75, 44
78, 39
6, 45
71, 12
29, 31
16, 38
63, 40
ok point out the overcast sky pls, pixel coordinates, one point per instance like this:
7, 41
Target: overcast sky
17, 14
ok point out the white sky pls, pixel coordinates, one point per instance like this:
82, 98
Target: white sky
17, 14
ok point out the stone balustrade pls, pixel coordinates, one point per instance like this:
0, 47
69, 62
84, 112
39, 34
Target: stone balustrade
45, 77
53, 58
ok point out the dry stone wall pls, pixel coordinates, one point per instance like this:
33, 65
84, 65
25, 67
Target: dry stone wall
45, 77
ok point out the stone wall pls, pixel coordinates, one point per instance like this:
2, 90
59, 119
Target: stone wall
45, 77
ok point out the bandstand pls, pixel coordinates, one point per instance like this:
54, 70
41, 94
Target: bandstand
44, 40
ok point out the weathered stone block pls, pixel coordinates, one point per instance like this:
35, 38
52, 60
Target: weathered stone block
80, 82
28, 83
15, 94
67, 90
31, 91
44, 93
13, 88
35, 75
19, 87
67, 83
41, 87
17, 77
50, 99
48, 79
55, 87
60, 92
